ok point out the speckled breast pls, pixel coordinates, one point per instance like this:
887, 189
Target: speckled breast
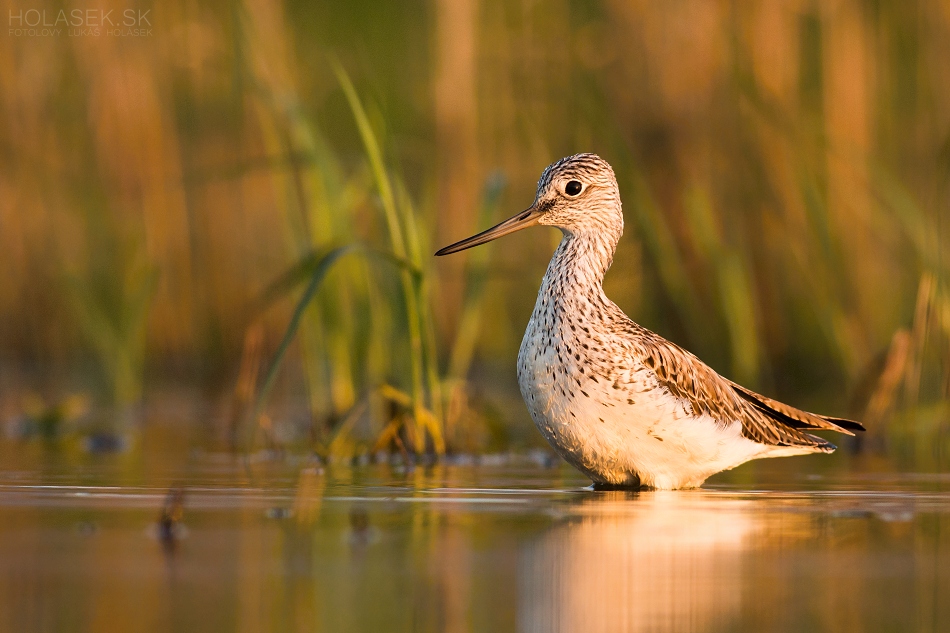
549, 381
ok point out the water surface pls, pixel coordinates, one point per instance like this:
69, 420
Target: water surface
514, 545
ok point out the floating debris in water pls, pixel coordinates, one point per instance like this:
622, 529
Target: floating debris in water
278, 513
169, 528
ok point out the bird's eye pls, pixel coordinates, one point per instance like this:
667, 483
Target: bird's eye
573, 187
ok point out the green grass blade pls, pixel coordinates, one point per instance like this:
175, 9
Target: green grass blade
319, 273
391, 213
375, 155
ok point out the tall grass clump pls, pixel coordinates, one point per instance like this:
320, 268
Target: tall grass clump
347, 279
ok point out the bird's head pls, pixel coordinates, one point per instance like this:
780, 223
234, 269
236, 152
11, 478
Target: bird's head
577, 194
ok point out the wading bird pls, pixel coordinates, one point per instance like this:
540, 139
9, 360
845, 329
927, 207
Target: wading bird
620, 403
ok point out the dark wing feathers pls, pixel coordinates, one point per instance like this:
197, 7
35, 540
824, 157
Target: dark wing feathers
763, 420
760, 427
796, 418
844, 423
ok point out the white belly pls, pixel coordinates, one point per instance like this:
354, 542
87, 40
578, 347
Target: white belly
622, 436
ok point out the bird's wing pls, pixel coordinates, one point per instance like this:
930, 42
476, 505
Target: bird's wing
796, 418
763, 420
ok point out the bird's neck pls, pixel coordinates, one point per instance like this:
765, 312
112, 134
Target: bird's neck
579, 264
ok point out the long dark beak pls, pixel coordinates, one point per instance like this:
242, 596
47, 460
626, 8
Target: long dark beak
523, 220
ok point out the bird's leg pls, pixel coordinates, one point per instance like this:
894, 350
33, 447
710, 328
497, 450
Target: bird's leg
632, 483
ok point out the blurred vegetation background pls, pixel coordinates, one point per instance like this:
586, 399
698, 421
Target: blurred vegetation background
170, 203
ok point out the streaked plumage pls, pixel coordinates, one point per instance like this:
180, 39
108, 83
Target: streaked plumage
617, 401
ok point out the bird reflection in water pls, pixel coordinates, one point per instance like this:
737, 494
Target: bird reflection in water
665, 561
